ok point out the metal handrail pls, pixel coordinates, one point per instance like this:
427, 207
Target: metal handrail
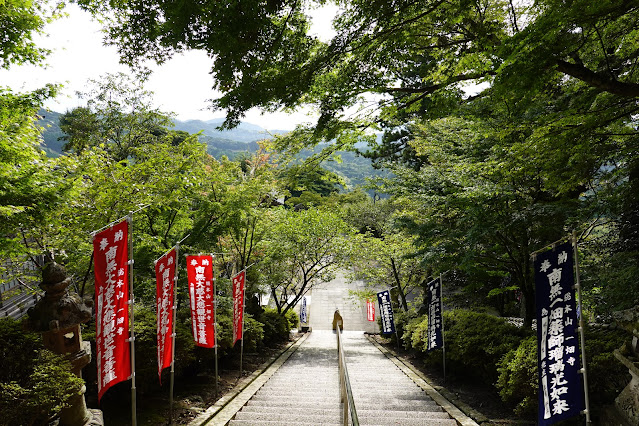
346, 393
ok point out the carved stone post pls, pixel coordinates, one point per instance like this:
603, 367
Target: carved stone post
57, 316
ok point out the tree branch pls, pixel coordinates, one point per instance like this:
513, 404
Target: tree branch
597, 80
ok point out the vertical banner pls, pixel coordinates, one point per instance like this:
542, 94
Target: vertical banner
386, 312
199, 271
560, 386
238, 306
110, 253
304, 312
434, 299
370, 310
165, 279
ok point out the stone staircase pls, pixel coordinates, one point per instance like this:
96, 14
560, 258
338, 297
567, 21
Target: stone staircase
383, 394
305, 390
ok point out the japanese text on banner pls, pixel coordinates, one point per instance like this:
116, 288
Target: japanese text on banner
110, 249
199, 270
238, 305
370, 310
435, 338
304, 311
386, 312
165, 279
560, 385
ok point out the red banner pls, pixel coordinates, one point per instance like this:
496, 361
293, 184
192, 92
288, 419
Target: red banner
110, 252
165, 279
199, 270
238, 305
370, 310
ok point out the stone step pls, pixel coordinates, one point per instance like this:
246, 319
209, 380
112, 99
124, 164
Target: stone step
302, 384
370, 415
292, 418
306, 399
391, 397
398, 405
288, 402
297, 409
408, 422
363, 413
276, 423
307, 393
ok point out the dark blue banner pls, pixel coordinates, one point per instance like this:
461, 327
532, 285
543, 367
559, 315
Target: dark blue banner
435, 321
303, 312
386, 312
560, 385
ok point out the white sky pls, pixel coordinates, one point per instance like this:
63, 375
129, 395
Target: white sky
182, 85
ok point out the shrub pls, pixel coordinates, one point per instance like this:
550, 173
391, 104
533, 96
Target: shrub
253, 333
403, 323
292, 318
606, 375
475, 343
18, 349
276, 327
517, 381
415, 334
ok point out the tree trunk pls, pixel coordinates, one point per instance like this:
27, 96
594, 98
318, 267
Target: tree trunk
400, 291
528, 291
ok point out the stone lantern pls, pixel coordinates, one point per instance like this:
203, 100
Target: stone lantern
57, 316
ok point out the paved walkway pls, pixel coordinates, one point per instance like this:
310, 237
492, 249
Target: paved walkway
303, 387
327, 297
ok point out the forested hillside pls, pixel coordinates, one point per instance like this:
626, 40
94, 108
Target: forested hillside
242, 140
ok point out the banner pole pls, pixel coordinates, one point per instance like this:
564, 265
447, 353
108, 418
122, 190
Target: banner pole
441, 308
215, 330
174, 333
131, 301
582, 336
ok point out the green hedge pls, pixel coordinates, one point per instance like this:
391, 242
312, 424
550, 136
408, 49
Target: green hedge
517, 381
475, 342
277, 327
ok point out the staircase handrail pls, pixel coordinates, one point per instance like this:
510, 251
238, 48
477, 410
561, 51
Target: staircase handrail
346, 393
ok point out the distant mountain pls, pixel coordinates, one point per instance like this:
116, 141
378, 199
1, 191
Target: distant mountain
228, 142
51, 132
242, 139
245, 132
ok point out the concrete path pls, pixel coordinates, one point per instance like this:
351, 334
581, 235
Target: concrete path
305, 389
327, 297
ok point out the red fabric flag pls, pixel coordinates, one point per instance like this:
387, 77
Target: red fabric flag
238, 305
199, 270
370, 310
110, 252
165, 279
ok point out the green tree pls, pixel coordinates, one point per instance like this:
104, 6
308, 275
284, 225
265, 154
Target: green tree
419, 54
478, 207
20, 20
28, 182
390, 262
119, 116
302, 249
307, 185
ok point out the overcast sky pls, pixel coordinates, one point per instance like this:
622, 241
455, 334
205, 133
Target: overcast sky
181, 85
